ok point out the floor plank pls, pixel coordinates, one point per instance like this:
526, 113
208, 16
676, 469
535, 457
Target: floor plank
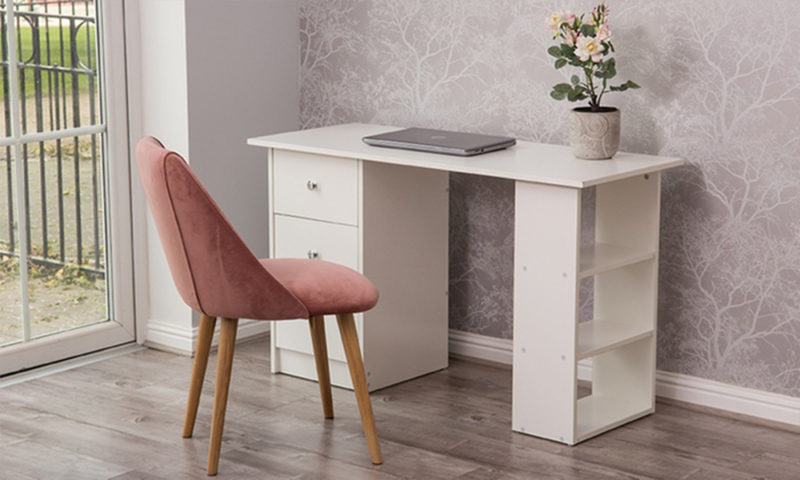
121, 419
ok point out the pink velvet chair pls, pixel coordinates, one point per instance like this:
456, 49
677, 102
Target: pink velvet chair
217, 275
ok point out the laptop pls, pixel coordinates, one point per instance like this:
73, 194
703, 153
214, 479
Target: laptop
440, 141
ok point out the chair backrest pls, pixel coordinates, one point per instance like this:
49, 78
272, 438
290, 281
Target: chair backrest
213, 270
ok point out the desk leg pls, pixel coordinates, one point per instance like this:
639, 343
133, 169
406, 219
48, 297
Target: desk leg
546, 251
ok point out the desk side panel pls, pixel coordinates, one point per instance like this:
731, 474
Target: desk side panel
546, 251
405, 253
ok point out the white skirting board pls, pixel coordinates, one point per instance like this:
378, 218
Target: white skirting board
163, 336
686, 388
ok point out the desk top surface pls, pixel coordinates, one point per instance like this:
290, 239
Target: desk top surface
526, 161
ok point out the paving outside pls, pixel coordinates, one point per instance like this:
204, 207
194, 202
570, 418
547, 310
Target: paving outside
54, 306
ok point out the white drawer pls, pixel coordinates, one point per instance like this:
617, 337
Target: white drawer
316, 186
302, 238
295, 238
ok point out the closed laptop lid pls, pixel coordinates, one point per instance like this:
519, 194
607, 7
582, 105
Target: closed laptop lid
442, 141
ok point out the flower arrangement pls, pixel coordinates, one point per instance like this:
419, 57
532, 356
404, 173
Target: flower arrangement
585, 42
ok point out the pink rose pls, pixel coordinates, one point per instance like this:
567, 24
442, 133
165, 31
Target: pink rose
603, 33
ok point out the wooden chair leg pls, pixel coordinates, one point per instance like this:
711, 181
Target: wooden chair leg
347, 329
317, 326
204, 337
227, 340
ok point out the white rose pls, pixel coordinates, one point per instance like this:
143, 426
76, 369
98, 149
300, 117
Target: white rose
589, 47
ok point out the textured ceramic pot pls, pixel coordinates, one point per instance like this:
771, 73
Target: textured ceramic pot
594, 135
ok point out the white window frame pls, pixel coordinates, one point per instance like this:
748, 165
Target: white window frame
121, 327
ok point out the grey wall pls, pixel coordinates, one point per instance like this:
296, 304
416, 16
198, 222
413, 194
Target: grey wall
204, 90
720, 88
241, 83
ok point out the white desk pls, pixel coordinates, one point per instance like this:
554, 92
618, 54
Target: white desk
384, 212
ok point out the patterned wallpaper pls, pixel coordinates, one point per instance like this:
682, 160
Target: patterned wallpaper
721, 88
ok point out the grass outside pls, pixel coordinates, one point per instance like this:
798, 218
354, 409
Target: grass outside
50, 41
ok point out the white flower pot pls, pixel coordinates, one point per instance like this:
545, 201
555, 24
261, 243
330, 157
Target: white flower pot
594, 135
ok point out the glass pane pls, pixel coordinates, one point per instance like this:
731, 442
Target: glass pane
67, 280
5, 119
10, 293
57, 55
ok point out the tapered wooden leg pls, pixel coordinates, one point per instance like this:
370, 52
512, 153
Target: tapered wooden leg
227, 340
347, 329
204, 337
317, 324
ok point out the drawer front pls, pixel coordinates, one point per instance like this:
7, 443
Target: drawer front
303, 238
295, 238
316, 186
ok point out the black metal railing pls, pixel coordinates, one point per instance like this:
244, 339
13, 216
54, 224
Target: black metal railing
57, 72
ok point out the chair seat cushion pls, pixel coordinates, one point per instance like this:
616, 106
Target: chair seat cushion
325, 288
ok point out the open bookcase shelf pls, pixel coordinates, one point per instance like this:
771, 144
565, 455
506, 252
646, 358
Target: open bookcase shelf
597, 414
602, 257
549, 338
600, 336
621, 387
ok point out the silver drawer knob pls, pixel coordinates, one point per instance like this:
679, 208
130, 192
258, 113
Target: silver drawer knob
311, 185
313, 254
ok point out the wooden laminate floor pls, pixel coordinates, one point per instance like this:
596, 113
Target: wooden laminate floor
121, 419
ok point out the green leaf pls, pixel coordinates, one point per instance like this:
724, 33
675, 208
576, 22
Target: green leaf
560, 63
575, 80
607, 69
577, 93
587, 30
569, 53
554, 51
563, 87
558, 95
607, 74
624, 86
574, 95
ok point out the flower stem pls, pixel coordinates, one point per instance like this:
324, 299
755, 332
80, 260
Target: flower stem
593, 99
600, 97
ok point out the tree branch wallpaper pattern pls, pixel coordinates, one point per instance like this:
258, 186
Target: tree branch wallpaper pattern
720, 87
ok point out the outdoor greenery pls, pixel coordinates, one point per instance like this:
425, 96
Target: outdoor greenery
50, 40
